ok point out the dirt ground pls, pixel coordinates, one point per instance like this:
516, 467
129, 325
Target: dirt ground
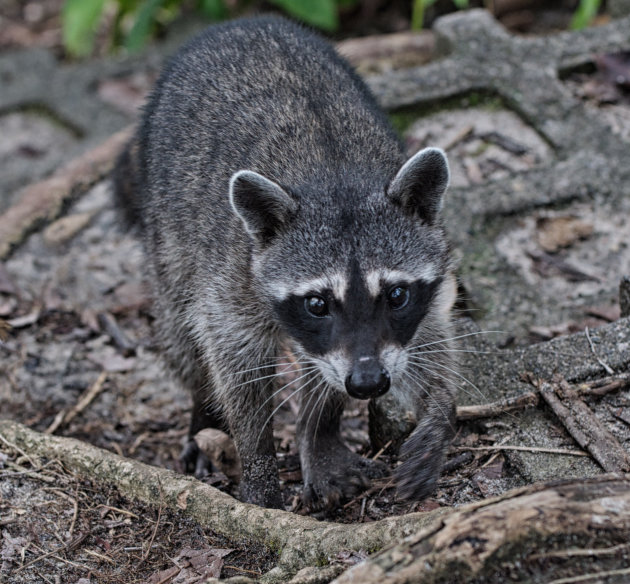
80, 361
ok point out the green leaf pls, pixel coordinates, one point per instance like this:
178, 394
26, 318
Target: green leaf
319, 13
213, 9
461, 4
143, 26
585, 13
79, 21
417, 13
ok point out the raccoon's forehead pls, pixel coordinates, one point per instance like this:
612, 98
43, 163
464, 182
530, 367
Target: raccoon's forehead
374, 280
367, 247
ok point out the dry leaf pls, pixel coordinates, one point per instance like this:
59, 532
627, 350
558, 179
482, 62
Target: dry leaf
220, 449
26, 320
5, 327
66, 228
554, 233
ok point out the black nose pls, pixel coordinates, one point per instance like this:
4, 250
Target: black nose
367, 379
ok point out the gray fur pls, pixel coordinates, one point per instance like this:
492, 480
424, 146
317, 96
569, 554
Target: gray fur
262, 162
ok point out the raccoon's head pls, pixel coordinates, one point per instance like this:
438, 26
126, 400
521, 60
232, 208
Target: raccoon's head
352, 276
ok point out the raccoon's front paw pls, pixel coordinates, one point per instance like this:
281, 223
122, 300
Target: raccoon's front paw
338, 476
423, 457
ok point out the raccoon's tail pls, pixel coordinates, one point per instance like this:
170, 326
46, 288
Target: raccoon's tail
127, 181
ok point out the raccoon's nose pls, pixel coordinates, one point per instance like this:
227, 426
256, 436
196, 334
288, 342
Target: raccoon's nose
368, 379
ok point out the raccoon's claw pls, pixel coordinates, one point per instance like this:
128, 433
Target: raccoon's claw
195, 461
332, 482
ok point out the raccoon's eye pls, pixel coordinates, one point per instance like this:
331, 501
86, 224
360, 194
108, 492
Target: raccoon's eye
398, 297
316, 306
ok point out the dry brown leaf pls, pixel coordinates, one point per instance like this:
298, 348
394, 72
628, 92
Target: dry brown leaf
554, 233
26, 320
66, 228
220, 449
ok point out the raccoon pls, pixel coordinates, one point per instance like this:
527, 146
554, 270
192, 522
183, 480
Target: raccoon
278, 209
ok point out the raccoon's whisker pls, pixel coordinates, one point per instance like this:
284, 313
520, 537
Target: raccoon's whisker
427, 364
420, 360
416, 380
271, 415
320, 404
272, 363
459, 351
439, 375
453, 339
271, 375
285, 400
321, 409
283, 387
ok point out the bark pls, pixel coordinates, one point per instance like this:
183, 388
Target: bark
585, 427
300, 541
536, 533
560, 532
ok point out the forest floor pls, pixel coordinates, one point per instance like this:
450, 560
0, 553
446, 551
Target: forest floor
80, 361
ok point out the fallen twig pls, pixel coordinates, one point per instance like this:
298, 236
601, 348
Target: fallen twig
497, 408
65, 416
122, 341
524, 449
583, 425
5, 327
595, 387
77, 541
607, 367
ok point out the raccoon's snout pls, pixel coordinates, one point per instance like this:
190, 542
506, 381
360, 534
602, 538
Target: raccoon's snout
367, 379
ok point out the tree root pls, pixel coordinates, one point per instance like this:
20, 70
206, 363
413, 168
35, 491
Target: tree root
523, 534
553, 532
299, 541
43, 201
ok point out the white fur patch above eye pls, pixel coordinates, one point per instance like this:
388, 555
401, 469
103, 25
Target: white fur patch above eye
338, 283
377, 280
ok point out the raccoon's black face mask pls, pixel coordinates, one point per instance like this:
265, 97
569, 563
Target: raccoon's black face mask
321, 322
357, 316
358, 326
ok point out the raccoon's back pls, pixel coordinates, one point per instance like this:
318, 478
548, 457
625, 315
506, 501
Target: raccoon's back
262, 94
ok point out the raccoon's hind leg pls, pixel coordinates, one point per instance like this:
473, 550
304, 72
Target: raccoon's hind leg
204, 415
193, 374
331, 471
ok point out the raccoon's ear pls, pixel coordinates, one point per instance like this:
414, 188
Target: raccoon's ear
421, 183
263, 206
